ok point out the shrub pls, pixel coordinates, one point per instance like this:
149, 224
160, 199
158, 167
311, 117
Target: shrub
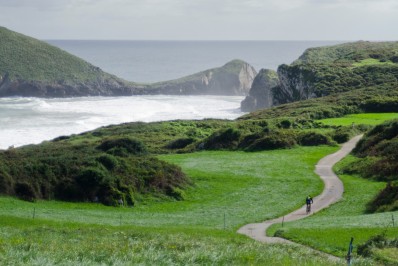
378, 241
6, 184
90, 180
341, 135
275, 140
249, 140
285, 124
177, 193
180, 143
223, 139
25, 191
123, 146
386, 200
109, 161
313, 139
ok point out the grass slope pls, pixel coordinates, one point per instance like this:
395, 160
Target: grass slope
246, 187
359, 119
23, 57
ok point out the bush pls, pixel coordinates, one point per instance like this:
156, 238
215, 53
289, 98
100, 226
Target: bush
6, 184
177, 193
386, 200
272, 141
313, 139
180, 143
123, 146
341, 135
109, 161
378, 241
223, 139
25, 191
90, 180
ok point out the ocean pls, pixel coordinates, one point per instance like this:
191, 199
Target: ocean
31, 120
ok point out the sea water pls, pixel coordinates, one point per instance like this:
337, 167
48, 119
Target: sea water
32, 120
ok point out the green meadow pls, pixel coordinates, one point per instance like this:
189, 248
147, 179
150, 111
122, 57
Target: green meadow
230, 189
364, 118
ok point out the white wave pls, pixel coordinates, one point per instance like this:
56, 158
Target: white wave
33, 120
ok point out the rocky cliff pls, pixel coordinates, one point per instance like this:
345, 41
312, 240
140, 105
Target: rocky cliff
234, 78
261, 95
334, 69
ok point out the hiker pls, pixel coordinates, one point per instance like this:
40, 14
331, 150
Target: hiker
308, 201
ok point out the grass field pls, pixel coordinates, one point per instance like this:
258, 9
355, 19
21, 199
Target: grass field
246, 187
366, 119
331, 229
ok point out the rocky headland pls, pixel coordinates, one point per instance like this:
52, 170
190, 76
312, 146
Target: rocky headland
326, 70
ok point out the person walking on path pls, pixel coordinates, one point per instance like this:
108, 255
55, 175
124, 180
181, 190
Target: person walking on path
309, 201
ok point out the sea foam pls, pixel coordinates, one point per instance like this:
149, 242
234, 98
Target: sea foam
32, 120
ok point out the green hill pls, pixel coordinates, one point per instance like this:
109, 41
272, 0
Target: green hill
29, 67
327, 70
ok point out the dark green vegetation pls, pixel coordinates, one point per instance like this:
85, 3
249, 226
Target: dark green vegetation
105, 171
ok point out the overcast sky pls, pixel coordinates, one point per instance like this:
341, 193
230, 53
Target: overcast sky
203, 19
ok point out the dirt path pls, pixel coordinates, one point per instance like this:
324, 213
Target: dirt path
332, 192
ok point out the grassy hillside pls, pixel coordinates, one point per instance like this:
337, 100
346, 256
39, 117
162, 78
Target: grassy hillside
351, 53
334, 69
23, 57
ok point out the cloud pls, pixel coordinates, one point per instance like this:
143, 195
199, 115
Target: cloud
202, 19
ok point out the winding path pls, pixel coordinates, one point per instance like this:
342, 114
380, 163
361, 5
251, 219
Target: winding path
332, 192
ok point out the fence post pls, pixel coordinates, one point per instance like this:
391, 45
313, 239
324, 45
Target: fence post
34, 213
224, 220
283, 219
393, 222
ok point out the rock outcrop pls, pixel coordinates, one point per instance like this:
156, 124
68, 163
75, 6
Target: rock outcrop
261, 95
234, 78
328, 70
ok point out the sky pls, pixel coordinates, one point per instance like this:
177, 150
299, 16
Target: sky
202, 19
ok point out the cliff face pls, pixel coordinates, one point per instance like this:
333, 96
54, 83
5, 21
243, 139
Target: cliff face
328, 70
261, 95
234, 78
